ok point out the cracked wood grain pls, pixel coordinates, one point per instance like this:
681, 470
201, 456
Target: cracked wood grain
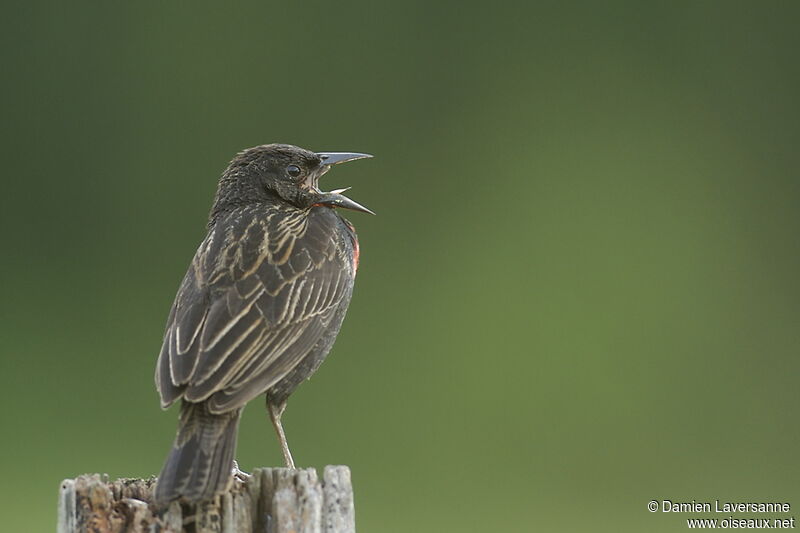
271, 500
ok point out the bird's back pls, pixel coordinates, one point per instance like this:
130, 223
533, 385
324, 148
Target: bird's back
259, 307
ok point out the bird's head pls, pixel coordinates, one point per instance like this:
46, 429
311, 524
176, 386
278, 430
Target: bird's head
290, 172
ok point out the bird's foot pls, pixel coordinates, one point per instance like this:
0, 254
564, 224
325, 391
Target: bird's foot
239, 474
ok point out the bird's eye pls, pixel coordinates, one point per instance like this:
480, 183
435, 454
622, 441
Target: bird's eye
293, 170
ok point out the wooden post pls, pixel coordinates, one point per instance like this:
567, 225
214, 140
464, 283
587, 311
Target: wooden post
271, 500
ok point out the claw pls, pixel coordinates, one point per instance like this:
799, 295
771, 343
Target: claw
239, 474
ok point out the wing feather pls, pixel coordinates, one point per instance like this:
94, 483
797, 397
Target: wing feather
255, 302
266, 375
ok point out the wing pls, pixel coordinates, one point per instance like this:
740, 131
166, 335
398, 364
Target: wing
261, 291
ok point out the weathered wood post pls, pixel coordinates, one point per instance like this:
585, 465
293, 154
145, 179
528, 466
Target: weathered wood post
271, 500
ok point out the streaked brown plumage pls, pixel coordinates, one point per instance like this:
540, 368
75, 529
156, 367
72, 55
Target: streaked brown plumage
257, 311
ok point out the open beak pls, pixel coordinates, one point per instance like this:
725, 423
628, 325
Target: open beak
336, 198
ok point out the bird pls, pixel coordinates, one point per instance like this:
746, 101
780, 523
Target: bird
258, 310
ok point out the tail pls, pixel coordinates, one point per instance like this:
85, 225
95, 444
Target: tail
201, 459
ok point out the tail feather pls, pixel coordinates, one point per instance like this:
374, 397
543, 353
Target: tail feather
199, 464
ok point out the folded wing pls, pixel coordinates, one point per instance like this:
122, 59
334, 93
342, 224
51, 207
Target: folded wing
258, 296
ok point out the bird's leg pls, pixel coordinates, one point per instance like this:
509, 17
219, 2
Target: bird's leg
275, 412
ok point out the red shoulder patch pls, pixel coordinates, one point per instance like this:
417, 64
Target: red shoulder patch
354, 238
355, 255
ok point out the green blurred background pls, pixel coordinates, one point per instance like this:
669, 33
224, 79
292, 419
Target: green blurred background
580, 294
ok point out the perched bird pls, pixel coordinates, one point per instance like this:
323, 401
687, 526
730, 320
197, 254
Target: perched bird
258, 309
